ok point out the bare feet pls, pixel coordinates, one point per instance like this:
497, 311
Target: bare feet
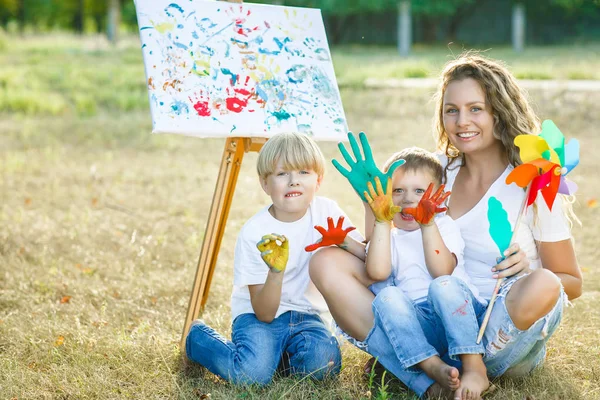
445, 375
474, 380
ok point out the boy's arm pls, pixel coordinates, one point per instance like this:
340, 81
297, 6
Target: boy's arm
369, 221
379, 259
438, 259
266, 298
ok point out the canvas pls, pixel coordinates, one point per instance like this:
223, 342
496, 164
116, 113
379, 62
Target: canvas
217, 69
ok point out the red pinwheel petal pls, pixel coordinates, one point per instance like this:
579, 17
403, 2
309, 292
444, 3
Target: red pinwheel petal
550, 191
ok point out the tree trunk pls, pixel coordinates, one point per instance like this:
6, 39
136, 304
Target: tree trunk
518, 27
113, 21
21, 16
404, 27
78, 17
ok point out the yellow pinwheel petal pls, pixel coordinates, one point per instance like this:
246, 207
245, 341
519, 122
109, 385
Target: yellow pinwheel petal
530, 147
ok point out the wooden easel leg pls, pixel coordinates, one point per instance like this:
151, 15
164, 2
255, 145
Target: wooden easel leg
215, 227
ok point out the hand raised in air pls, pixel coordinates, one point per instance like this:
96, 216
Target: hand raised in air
428, 206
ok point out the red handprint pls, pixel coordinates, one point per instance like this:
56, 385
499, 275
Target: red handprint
239, 95
428, 206
332, 236
201, 104
242, 30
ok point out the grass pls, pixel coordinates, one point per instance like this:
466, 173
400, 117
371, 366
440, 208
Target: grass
101, 224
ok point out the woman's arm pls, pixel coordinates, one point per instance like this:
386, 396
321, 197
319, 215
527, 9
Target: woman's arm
354, 247
559, 257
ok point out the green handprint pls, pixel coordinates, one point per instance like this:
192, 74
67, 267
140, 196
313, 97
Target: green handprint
362, 170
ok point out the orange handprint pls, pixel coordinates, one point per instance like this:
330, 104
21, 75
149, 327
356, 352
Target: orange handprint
334, 235
274, 250
428, 206
381, 202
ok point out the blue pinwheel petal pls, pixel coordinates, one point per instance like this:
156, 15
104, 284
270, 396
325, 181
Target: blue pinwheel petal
571, 154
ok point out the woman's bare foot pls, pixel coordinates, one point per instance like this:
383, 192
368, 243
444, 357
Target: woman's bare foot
445, 375
474, 380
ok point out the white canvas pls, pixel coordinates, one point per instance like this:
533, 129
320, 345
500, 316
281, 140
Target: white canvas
218, 69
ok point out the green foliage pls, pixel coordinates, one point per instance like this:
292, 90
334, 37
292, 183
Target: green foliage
438, 7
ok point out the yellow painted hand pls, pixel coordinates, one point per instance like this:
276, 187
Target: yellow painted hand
381, 202
274, 250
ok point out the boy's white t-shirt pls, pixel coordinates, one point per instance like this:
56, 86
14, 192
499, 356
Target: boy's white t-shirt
298, 292
480, 250
409, 270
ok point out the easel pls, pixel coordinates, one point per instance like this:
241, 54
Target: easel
231, 161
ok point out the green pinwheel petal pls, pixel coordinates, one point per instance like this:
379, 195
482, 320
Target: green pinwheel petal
500, 229
555, 139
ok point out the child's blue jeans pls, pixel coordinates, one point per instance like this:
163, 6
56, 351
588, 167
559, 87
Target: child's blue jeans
405, 333
300, 342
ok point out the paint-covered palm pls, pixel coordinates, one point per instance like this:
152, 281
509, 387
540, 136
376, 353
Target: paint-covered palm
332, 236
381, 202
362, 168
274, 250
428, 206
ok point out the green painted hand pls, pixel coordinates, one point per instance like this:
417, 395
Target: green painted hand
274, 250
362, 169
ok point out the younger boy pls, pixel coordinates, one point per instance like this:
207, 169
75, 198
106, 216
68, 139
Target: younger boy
407, 251
274, 305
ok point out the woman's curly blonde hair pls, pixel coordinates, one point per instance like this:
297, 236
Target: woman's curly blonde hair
509, 107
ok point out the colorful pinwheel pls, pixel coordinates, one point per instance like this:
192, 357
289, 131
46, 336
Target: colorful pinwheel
546, 162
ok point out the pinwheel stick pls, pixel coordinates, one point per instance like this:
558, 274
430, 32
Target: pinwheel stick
499, 282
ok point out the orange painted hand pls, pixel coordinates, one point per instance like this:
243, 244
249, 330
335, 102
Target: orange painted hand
381, 202
334, 235
274, 250
428, 206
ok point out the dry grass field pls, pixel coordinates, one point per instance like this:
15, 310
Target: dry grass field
101, 225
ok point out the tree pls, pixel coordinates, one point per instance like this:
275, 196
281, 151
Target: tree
114, 19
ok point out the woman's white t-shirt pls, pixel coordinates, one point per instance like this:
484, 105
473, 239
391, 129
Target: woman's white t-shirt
480, 250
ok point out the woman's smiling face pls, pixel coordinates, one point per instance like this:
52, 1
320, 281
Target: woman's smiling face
468, 119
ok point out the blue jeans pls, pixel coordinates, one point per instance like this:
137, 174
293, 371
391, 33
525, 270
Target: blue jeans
404, 333
458, 310
299, 342
513, 352
507, 349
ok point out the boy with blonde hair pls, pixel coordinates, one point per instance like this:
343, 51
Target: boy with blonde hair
276, 309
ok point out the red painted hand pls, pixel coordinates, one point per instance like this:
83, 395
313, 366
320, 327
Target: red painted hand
332, 236
428, 206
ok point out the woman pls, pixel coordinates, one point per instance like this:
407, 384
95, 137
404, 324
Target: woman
480, 110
